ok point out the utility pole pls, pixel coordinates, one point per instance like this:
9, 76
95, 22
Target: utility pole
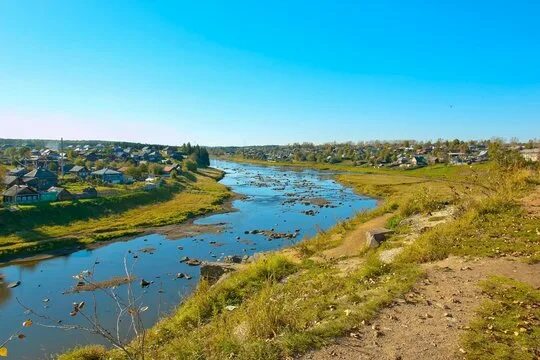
62, 158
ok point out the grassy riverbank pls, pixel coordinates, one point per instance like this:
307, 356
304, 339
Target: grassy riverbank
67, 225
292, 301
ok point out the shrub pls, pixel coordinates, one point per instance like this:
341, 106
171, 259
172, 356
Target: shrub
190, 165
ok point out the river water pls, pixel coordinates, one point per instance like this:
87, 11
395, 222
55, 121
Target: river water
274, 198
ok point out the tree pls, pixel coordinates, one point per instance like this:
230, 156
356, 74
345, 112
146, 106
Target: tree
504, 157
143, 168
134, 171
99, 164
79, 161
200, 156
53, 166
12, 155
189, 165
155, 169
24, 152
70, 154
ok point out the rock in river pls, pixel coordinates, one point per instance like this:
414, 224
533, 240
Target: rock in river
14, 284
212, 272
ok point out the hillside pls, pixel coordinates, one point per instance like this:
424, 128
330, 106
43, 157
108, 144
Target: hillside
53, 228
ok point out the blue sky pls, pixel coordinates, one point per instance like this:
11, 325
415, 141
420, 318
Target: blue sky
244, 72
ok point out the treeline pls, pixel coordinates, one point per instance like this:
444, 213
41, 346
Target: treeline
197, 154
369, 153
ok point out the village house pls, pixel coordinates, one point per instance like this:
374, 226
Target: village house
87, 193
109, 176
18, 172
153, 156
10, 180
531, 154
457, 158
79, 171
60, 194
20, 194
41, 179
419, 161
482, 156
91, 156
168, 170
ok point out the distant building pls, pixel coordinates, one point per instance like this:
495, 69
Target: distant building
457, 158
79, 171
10, 180
419, 161
20, 194
109, 176
60, 193
41, 179
482, 156
531, 154
91, 156
18, 172
167, 170
88, 193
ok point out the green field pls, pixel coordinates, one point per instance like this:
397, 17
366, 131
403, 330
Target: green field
45, 227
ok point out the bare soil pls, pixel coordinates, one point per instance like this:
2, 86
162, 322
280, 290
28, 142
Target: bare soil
428, 321
531, 203
355, 240
115, 281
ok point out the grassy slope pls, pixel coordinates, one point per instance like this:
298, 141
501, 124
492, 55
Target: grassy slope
507, 326
289, 305
66, 224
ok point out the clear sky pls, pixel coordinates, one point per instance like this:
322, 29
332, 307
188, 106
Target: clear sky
274, 72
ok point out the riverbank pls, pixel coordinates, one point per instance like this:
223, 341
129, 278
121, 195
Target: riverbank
58, 229
290, 302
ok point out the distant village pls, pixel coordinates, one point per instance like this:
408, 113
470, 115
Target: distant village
38, 171
402, 154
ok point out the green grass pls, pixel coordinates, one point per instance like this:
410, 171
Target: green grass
507, 326
104, 190
45, 227
494, 226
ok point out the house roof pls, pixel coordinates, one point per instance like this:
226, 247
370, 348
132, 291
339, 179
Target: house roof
57, 189
19, 190
170, 168
77, 168
106, 171
17, 171
8, 179
40, 173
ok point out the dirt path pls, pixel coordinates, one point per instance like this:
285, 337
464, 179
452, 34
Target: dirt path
355, 240
531, 203
428, 321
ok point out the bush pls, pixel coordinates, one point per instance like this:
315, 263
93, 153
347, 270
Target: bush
190, 165
86, 353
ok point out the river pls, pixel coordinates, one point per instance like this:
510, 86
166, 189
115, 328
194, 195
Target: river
283, 199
